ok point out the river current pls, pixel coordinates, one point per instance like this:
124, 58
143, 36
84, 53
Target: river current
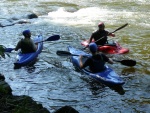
53, 81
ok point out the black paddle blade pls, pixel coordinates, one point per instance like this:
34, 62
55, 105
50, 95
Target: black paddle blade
53, 38
128, 62
63, 53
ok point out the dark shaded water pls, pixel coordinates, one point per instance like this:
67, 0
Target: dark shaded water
53, 81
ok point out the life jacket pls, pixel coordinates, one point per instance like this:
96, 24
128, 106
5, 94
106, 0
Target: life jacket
100, 37
27, 46
97, 64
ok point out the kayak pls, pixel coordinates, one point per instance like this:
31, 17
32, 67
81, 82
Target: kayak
108, 77
28, 58
110, 48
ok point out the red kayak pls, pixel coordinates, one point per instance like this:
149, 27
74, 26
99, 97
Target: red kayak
110, 48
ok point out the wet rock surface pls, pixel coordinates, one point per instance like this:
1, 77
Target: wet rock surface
17, 104
23, 104
22, 20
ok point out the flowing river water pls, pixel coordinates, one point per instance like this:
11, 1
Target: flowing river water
53, 81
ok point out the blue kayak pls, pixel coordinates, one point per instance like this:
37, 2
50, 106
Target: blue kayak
26, 59
108, 76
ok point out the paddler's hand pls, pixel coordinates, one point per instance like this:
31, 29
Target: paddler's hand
80, 61
111, 34
80, 56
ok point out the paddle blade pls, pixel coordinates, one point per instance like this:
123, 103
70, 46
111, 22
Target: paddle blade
127, 62
63, 53
53, 38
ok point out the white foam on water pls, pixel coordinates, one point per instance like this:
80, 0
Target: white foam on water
84, 16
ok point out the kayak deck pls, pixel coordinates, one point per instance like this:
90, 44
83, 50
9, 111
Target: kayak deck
107, 77
110, 48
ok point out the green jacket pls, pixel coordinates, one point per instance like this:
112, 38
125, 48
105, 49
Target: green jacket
26, 45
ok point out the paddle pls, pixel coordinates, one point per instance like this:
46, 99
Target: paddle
120, 27
126, 62
123, 62
51, 38
114, 31
110, 32
65, 53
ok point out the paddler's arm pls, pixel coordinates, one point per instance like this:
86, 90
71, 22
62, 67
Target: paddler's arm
106, 59
18, 46
80, 61
110, 61
111, 34
90, 40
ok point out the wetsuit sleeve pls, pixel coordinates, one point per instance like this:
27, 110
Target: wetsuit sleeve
110, 34
91, 38
106, 59
87, 63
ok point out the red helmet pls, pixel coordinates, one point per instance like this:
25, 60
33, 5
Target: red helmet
101, 24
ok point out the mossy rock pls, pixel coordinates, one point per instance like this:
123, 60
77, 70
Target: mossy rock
20, 104
5, 88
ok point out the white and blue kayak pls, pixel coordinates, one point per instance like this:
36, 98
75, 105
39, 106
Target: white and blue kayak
107, 77
28, 58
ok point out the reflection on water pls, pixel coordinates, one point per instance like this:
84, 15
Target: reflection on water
128, 71
97, 87
119, 89
30, 69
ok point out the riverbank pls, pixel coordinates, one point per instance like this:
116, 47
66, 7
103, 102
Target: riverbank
22, 104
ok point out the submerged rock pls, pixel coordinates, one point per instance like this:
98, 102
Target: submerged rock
31, 16
19, 20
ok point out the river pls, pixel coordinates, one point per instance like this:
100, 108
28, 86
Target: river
53, 81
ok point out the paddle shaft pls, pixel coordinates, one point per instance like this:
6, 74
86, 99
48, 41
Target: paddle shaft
51, 38
40, 41
113, 31
120, 27
123, 62
67, 53
10, 49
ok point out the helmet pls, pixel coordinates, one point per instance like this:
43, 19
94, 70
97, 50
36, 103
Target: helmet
93, 47
101, 24
26, 32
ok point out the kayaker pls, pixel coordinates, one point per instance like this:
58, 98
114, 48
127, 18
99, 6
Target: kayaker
26, 45
100, 36
97, 61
